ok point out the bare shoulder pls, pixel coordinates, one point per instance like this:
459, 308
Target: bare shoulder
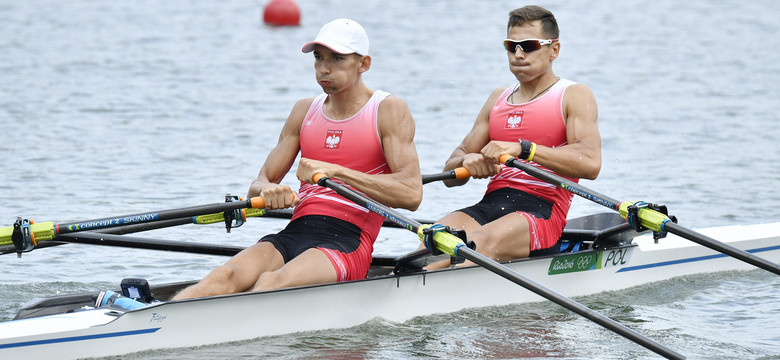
495, 94
294, 121
498, 91
394, 118
299, 110
578, 92
393, 103
302, 105
393, 110
484, 112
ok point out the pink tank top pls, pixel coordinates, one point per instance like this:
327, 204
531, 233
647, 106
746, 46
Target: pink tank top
541, 121
353, 143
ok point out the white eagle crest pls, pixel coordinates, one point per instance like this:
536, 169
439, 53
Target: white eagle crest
332, 141
514, 121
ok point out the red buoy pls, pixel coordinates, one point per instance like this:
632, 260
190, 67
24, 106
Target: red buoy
282, 13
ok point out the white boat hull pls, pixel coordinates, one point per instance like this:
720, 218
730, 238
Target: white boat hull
236, 317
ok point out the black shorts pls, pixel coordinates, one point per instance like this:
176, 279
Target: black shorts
498, 203
504, 201
313, 231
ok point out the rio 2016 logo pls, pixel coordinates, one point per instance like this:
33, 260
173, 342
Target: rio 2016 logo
589, 260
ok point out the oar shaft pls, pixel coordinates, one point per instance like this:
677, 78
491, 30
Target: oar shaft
157, 216
127, 229
650, 219
562, 182
567, 303
369, 204
722, 247
150, 244
495, 267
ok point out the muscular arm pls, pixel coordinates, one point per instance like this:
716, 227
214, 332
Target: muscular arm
467, 154
581, 156
279, 162
403, 187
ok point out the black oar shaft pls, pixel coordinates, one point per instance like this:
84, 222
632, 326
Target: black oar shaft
129, 229
436, 177
150, 217
565, 184
502, 270
567, 303
459, 173
666, 226
722, 247
134, 228
150, 244
369, 204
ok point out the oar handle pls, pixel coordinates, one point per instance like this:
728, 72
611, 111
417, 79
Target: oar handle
257, 202
317, 177
504, 158
458, 173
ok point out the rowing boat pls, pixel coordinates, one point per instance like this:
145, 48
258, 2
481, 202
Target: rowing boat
600, 253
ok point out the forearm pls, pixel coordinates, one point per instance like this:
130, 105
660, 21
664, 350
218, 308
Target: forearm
399, 190
453, 162
573, 161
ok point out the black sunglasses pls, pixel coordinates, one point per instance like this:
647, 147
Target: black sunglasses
527, 45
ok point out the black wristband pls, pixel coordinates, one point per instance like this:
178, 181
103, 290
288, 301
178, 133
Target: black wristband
525, 149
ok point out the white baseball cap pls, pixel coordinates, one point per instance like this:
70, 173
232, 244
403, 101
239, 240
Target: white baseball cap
344, 36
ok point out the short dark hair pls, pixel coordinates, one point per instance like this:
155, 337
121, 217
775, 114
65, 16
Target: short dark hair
532, 13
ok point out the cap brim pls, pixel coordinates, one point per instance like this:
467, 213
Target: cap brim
341, 49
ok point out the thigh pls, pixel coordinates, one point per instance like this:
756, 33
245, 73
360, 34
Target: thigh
459, 220
247, 265
309, 268
508, 237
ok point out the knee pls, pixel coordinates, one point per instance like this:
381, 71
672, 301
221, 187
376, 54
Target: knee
217, 282
223, 277
268, 281
222, 274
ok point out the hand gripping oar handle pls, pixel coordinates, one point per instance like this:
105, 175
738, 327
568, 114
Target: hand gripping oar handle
452, 245
459, 173
648, 218
24, 235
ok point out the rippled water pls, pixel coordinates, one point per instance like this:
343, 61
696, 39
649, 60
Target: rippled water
111, 108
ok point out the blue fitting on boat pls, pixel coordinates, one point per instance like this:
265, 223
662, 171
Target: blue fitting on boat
109, 298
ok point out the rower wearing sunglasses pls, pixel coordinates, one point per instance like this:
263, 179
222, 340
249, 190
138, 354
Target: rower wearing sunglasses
544, 120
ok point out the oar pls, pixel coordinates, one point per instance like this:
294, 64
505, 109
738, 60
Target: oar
453, 246
459, 173
638, 212
94, 238
200, 220
24, 235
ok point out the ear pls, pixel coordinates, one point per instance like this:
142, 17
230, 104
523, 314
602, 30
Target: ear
556, 50
365, 63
